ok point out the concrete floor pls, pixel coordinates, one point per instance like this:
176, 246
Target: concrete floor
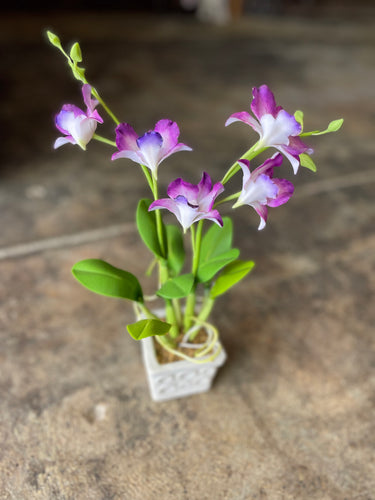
292, 413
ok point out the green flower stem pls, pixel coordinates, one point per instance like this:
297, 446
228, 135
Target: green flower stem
254, 151
103, 139
206, 309
159, 222
146, 311
104, 105
196, 241
146, 171
170, 314
228, 198
163, 268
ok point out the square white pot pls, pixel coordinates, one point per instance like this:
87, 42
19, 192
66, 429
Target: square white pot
179, 378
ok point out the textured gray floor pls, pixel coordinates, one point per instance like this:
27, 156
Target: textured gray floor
291, 414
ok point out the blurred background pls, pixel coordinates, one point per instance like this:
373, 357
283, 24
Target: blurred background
292, 415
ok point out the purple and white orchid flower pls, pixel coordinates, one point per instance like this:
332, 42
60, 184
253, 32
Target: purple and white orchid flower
191, 202
151, 148
260, 190
276, 127
78, 126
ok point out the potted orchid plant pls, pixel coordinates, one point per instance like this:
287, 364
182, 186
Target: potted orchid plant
187, 290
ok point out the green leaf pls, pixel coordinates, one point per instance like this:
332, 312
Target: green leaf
298, 115
333, 126
176, 251
148, 328
75, 53
177, 288
146, 223
307, 162
207, 270
217, 240
54, 39
79, 73
230, 275
105, 279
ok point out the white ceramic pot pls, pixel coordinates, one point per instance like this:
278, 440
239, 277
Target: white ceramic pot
179, 378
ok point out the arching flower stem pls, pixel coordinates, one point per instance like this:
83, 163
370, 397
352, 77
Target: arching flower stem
104, 139
249, 155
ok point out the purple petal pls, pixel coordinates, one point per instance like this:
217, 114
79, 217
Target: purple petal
95, 116
293, 158
150, 145
286, 189
245, 165
131, 155
181, 188
214, 216
90, 103
60, 141
296, 147
205, 185
170, 132
245, 117
268, 166
262, 211
65, 118
167, 203
206, 203
126, 138
263, 102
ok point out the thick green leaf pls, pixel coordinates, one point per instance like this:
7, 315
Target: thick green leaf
177, 288
148, 328
208, 269
100, 277
230, 275
307, 162
176, 251
217, 240
146, 223
75, 53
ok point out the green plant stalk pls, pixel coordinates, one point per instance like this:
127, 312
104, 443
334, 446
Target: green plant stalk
206, 309
254, 151
104, 105
196, 241
104, 139
163, 268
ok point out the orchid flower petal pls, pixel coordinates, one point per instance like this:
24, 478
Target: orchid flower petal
285, 191
245, 117
152, 147
78, 126
191, 202
260, 190
263, 102
275, 126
